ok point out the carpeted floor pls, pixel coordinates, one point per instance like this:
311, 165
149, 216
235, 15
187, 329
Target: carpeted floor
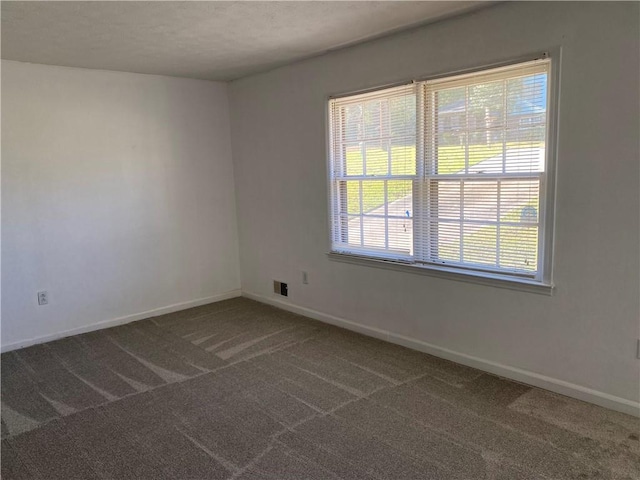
241, 390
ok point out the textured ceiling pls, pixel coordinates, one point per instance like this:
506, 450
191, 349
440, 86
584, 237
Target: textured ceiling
209, 40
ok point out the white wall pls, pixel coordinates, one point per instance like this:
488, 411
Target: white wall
586, 333
117, 197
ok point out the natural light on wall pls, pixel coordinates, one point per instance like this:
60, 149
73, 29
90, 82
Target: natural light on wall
445, 173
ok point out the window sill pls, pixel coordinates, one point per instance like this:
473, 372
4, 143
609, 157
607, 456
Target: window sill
481, 278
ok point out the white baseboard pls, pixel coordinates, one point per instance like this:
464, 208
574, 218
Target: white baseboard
121, 320
524, 376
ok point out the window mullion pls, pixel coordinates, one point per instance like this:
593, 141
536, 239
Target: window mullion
389, 155
363, 153
466, 135
498, 215
504, 126
461, 233
361, 196
419, 210
542, 223
386, 214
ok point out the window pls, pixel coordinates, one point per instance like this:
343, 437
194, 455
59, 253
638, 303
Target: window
447, 174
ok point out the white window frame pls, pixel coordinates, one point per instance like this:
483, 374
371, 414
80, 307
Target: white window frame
543, 283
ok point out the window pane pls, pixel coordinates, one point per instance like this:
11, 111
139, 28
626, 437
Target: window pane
487, 156
376, 116
353, 231
450, 154
350, 123
403, 156
402, 116
479, 244
525, 155
519, 200
373, 197
445, 199
377, 157
401, 235
486, 102
351, 199
353, 159
519, 248
480, 200
374, 232
444, 244
451, 111
400, 199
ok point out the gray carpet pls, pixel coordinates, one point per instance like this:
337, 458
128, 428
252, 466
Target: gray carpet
241, 390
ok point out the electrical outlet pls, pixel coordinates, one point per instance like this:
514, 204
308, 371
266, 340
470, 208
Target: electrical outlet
305, 277
43, 298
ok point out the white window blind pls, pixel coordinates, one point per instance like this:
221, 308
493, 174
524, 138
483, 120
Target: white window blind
373, 139
448, 172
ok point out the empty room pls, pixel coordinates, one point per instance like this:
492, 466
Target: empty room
320, 240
